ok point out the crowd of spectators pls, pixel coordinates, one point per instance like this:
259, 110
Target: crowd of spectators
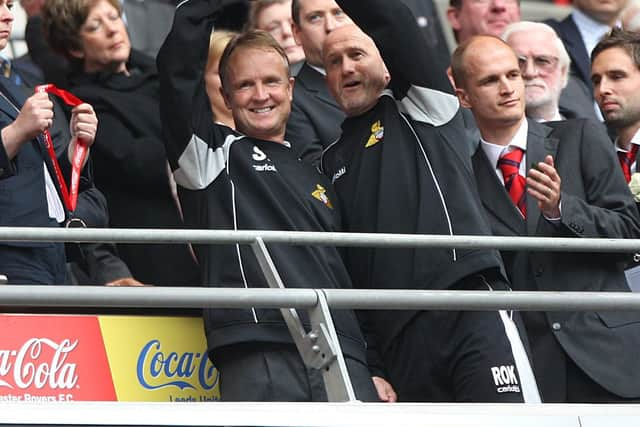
341, 115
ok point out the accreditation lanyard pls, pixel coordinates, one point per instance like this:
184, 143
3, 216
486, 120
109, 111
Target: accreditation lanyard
70, 199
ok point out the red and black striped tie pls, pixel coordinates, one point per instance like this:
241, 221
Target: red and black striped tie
514, 183
627, 159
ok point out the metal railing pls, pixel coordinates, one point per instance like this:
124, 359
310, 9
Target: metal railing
322, 337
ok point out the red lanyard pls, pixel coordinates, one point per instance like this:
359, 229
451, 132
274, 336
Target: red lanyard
79, 155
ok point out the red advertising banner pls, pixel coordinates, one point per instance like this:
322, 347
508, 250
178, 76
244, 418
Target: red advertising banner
104, 358
41, 361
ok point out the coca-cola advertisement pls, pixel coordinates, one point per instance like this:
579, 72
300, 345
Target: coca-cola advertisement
104, 358
53, 358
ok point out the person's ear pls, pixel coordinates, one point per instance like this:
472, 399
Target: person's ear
463, 97
453, 15
451, 79
387, 75
296, 30
292, 82
223, 94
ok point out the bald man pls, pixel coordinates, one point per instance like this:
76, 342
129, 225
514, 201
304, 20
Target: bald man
396, 169
575, 188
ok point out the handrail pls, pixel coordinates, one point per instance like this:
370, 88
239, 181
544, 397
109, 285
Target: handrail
322, 338
119, 235
362, 299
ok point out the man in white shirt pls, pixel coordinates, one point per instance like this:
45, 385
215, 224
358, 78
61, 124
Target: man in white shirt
555, 179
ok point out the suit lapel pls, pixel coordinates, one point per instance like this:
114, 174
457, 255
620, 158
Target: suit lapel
539, 145
494, 197
315, 83
12, 97
577, 50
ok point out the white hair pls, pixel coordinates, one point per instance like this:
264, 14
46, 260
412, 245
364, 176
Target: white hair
527, 26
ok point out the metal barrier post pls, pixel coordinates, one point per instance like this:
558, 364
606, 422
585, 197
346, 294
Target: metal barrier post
319, 348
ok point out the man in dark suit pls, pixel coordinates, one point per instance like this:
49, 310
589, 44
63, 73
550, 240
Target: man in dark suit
615, 73
583, 28
469, 18
426, 13
315, 117
29, 189
574, 189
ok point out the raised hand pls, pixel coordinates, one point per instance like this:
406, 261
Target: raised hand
543, 183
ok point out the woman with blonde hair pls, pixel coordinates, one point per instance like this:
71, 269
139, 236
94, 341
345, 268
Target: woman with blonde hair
217, 43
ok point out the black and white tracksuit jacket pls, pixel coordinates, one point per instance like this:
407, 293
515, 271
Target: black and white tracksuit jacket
229, 181
404, 167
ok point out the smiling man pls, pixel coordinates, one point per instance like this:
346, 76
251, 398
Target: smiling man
574, 189
252, 180
470, 18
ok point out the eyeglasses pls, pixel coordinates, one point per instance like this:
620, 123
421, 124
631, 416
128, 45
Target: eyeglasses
542, 63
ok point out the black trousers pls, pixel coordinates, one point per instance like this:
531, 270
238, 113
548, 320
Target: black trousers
456, 356
273, 372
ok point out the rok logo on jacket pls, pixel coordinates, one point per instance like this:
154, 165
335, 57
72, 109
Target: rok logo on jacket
377, 134
505, 379
321, 194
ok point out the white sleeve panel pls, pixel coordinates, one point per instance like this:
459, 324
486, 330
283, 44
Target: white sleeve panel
430, 106
200, 164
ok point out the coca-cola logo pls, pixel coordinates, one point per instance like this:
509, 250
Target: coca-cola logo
157, 369
39, 363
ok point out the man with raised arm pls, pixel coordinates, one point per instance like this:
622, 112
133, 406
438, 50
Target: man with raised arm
399, 168
251, 179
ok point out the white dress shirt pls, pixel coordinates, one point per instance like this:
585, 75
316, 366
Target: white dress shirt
635, 140
495, 151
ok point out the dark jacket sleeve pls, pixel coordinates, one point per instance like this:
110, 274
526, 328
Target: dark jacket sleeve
299, 128
184, 106
609, 210
6, 167
393, 27
120, 155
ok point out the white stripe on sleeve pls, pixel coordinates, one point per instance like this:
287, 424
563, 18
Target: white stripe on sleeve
199, 165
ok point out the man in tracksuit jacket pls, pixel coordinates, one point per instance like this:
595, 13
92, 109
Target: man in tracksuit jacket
250, 179
397, 170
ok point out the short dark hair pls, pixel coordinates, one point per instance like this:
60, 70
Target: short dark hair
623, 39
256, 39
295, 11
